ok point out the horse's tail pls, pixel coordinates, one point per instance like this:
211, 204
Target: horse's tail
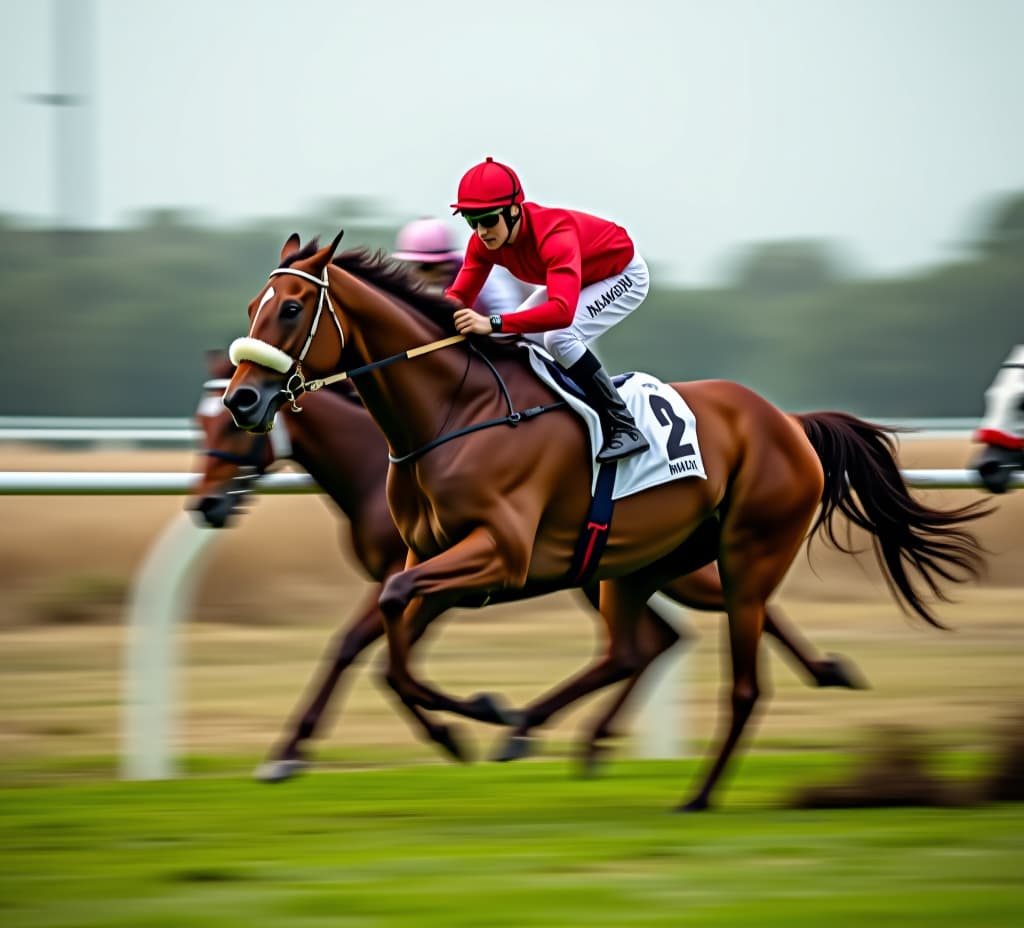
908, 537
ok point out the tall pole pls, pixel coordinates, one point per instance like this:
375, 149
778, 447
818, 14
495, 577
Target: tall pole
73, 99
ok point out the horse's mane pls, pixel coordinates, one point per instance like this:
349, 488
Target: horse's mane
378, 268
391, 276
387, 274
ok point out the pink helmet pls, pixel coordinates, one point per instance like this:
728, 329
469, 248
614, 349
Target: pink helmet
427, 240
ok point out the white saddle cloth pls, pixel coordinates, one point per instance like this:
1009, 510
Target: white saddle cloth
660, 413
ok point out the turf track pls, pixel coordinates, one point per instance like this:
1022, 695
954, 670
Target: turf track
488, 845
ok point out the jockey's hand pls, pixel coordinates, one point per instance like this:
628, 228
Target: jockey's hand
470, 322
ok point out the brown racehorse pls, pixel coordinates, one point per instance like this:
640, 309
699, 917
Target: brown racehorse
338, 443
496, 511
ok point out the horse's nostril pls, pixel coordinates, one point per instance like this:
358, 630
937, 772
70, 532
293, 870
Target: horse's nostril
242, 400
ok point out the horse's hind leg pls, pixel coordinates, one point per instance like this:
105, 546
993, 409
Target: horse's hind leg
763, 529
702, 590
833, 670
748, 617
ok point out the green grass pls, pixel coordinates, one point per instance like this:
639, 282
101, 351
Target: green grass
489, 845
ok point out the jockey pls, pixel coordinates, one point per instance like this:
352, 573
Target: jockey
589, 274
430, 250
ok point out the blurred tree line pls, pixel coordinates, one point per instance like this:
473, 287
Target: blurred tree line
117, 322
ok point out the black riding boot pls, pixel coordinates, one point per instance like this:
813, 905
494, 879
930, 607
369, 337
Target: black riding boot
621, 436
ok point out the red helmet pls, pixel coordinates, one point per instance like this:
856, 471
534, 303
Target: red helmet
488, 185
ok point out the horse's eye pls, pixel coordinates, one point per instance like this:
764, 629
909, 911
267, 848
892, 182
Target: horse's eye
290, 309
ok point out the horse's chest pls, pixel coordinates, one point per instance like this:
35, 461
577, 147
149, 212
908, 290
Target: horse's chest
425, 534
439, 509
420, 522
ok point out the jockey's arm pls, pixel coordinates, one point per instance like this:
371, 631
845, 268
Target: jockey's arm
470, 280
564, 280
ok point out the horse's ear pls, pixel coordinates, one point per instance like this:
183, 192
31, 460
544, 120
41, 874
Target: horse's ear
334, 245
291, 246
323, 257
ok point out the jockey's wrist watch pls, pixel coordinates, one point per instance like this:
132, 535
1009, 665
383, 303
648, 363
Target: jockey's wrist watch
495, 322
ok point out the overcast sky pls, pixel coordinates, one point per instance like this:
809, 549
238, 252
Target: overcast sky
699, 125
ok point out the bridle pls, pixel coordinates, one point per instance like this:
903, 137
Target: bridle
271, 356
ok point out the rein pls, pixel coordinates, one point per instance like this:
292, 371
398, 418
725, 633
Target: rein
311, 386
513, 418
274, 358
271, 356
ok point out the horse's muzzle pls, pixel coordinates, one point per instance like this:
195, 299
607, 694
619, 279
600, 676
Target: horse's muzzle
996, 465
254, 409
214, 510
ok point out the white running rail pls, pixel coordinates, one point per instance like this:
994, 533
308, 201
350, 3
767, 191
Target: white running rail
162, 594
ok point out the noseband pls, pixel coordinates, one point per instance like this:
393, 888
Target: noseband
277, 435
270, 356
267, 355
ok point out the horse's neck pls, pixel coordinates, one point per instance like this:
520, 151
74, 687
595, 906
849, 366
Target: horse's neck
337, 442
409, 398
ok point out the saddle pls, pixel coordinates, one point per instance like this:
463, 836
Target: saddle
660, 413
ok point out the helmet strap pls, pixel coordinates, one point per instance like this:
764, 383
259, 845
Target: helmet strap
510, 220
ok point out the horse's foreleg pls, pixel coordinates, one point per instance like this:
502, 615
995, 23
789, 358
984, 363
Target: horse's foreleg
438, 732
621, 605
421, 592
654, 636
289, 756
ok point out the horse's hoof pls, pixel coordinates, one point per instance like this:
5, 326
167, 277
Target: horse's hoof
490, 707
277, 771
516, 748
697, 804
836, 670
444, 735
592, 758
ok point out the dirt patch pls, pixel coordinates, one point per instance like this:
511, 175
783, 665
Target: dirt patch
894, 769
1005, 780
897, 767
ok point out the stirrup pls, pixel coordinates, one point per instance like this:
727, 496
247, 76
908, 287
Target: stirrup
622, 443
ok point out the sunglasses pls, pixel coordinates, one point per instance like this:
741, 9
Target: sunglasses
487, 220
